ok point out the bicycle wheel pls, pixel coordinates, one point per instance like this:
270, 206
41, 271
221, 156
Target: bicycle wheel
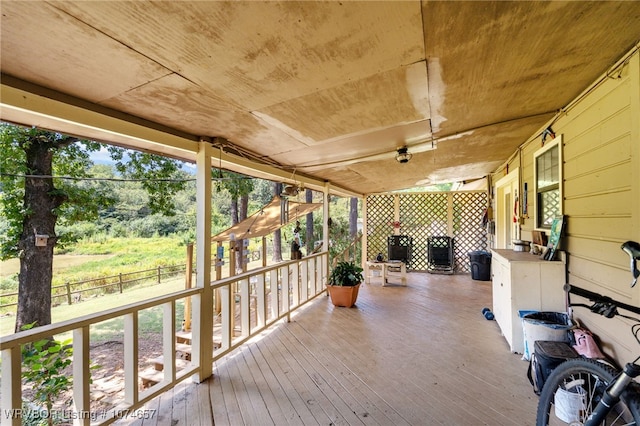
574, 389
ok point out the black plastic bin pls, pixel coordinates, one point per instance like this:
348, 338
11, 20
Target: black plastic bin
480, 265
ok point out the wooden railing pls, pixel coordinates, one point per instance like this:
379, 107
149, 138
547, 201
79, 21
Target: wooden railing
248, 303
350, 253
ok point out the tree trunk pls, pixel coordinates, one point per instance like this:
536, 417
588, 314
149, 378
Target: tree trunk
243, 208
353, 218
234, 211
36, 261
308, 197
277, 235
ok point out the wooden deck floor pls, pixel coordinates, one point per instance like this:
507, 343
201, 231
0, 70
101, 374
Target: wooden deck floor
416, 355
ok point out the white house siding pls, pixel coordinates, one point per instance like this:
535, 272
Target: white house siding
601, 198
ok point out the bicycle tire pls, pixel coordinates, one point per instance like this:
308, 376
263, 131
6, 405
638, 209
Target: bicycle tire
584, 380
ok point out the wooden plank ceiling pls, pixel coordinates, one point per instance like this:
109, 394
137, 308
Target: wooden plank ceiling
327, 90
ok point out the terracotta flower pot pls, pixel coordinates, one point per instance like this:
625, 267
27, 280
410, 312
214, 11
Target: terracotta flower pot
343, 295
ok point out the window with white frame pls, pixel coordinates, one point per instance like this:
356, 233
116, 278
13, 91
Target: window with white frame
547, 163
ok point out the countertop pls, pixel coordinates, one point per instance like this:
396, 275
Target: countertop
520, 256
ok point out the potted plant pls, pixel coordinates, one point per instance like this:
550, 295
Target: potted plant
344, 283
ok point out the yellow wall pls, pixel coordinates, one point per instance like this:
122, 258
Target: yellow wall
601, 198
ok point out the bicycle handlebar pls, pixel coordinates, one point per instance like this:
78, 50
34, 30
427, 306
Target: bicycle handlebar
603, 305
632, 248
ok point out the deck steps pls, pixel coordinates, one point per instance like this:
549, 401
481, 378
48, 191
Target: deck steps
154, 374
185, 337
150, 377
158, 363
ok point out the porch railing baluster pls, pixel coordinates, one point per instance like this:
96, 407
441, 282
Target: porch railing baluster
11, 385
81, 375
131, 358
305, 277
245, 307
169, 341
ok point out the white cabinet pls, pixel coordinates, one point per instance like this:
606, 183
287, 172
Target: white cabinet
523, 282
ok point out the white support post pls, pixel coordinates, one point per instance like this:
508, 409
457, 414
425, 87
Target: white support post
233, 247
396, 213
304, 279
81, 376
450, 214
131, 358
261, 303
245, 307
325, 228
284, 288
11, 387
313, 276
169, 341
295, 282
322, 271
364, 244
273, 282
202, 311
226, 311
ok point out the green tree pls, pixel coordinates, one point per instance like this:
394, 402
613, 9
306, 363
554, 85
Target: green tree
262, 192
45, 364
239, 187
33, 200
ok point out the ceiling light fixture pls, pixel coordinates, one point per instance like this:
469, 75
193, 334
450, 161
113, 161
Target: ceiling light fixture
403, 155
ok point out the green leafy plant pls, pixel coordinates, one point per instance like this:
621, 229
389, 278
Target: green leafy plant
346, 274
44, 363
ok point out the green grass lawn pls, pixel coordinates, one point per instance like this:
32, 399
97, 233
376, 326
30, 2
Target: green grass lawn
90, 259
110, 258
95, 259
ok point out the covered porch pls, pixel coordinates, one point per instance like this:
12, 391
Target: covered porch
327, 102
420, 354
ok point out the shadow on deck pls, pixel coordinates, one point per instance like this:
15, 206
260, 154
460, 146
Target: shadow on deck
421, 355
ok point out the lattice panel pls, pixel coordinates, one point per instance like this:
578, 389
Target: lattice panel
380, 214
550, 206
424, 215
468, 229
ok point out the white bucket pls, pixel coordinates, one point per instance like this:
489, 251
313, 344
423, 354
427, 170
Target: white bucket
569, 405
545, 326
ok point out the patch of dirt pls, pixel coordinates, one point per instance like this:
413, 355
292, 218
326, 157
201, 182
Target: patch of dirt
60, 261
107, 387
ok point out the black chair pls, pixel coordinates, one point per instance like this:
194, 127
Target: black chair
399, 248
440, 254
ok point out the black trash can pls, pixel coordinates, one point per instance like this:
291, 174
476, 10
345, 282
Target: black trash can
480, 265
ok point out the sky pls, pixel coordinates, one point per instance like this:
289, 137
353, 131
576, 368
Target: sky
103, 157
